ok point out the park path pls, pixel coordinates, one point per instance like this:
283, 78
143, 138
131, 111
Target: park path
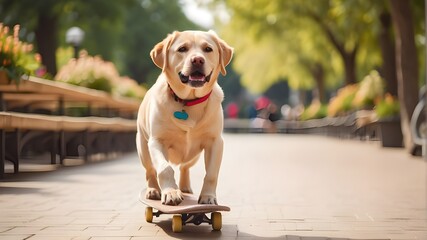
296, 187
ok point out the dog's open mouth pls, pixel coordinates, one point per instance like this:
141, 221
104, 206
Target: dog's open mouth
195, 79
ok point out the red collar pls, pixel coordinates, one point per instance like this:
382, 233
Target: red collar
191, 102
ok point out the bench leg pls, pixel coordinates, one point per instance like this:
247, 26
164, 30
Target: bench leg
54, 147
62, 147
86, 143
2, 152
104, 143
16, 146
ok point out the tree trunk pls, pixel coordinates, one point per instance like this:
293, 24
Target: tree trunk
47, 43
388, 53
349, 59
406, 66
319, 76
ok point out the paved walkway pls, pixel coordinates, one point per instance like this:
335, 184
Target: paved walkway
278, 186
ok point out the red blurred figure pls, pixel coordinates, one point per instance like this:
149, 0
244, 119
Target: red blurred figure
262, 103
266, 115
232, 110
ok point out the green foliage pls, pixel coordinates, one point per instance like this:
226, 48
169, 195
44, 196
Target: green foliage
47, 21
95, 73
101, 83
128, 87
361, 95
88, 72
387, 107
260, 67
120, 31
102, 22
286, 39
16, 57
370, 88
147, 23
316, 110
343, 102
364, 94
231, 86
63, 56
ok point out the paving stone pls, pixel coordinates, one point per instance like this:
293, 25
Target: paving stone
295, 188
15, 236
56, 237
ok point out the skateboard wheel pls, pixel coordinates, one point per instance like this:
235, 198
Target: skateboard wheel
216, 221
177, 223
149, 214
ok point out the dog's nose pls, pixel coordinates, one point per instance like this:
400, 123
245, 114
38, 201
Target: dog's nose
197, 61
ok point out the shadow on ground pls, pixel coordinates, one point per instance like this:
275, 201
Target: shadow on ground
30, 169
231, 232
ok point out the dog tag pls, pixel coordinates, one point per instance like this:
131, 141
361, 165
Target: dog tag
181, 115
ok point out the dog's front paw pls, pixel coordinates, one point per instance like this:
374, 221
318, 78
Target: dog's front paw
152, 193
172, 196
206, 199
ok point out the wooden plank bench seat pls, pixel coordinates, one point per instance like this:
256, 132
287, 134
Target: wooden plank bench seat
37, 90
61, 135
11, 120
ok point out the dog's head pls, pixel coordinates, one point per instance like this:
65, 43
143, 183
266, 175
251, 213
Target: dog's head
192, 58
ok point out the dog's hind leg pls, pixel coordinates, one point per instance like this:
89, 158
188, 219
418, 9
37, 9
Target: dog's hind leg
153, 189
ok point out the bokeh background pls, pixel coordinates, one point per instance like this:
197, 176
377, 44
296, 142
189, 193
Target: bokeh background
294, 60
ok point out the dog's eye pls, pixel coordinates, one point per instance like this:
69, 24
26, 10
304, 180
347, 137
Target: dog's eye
208, 49
182, 49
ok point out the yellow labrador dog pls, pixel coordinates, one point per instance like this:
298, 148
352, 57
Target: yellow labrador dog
181, 115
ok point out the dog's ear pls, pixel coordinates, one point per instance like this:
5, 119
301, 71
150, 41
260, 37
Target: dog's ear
225, 52
159, 52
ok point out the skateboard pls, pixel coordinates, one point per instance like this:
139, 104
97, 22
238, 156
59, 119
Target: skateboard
188, 211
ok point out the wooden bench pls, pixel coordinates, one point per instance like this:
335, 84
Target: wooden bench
51, 94
63, 136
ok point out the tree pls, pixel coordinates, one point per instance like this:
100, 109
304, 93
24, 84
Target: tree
388, 52
46, 18
147, 23
120, 31
40, 18
407, 65
103, 23
316, 41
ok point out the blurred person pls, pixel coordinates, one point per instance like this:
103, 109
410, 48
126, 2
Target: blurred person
266, 115
286, 112
252, 113
232, 110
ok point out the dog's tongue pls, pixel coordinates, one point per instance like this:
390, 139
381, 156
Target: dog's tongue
197, 76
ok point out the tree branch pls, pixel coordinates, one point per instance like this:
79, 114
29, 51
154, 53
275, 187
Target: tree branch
327, 30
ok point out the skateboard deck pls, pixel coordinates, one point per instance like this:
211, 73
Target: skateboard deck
188, 211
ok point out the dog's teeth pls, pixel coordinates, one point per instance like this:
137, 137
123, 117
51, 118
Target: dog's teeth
197, 78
